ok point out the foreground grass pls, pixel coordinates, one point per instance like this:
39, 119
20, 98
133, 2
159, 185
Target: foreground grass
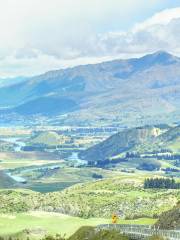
53, 223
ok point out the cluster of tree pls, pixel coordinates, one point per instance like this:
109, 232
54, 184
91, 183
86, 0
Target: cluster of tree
132, 155
126, 170
37, 147
166, 183
149, 165
57, 237
167, 170
159, 150
168, 157
104, 163
97, 176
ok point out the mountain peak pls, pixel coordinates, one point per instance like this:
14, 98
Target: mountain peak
159, 57
162, 57
161, 52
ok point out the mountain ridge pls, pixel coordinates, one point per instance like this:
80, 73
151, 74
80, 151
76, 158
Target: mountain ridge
148, 138
144, 86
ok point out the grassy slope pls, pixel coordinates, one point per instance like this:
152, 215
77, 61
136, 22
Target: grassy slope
5, 181
91, 234
170, 219
125, 194
96, 199
121, 142
49, 138
52, 223
136, 139
175, 145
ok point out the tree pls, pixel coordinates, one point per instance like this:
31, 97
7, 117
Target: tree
149, 165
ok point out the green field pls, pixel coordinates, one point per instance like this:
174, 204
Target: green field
53, 223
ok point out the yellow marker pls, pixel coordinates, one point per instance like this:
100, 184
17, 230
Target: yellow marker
114, 218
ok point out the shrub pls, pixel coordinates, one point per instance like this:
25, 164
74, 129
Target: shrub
149, 165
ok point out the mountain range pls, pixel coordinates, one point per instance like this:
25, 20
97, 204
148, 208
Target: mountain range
132, 90
4, 82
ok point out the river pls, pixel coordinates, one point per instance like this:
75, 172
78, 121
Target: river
75, 158
17, 141
16, 178
18, 146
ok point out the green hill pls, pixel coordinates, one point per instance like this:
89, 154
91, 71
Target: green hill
49, 138
19, 200
121, 142
119, 194
141, 140
101, 198
171, 139
90, 233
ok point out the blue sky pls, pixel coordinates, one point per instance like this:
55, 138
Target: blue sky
41, 35
134, 13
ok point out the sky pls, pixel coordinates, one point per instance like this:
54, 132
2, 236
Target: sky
41, 35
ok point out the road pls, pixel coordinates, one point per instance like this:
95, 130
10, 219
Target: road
142, 231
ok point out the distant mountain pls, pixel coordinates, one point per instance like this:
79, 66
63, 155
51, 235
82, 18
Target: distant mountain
140, 139
10, 81
47, 106
130, 90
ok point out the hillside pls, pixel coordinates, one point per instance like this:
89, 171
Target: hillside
48, 225
48, 138
121, 142
170, 219
38, 224
127, 91
95, 199
142, 139
47, 106
171, 139
90, 233
119, 194
19, 200
5, 181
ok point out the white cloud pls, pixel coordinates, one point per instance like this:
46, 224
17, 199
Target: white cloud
160, 32
162, 18
40, 35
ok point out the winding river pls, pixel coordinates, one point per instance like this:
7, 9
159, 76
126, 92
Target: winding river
17, 148
17, 141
